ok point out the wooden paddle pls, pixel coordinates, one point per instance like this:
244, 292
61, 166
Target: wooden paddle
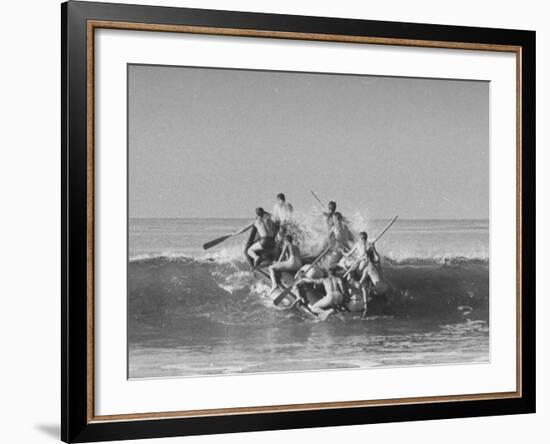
356, 263
279, 298
390, 223
221, 239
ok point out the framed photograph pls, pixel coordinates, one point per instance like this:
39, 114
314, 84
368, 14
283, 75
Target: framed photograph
275, 221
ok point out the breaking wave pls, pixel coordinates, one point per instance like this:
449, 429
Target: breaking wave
172, 290
214, 289
230, 255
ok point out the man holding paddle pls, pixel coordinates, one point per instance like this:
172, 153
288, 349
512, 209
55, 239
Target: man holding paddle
367, 265
371, 273
265, 229
338, 231
266, 232
366, 253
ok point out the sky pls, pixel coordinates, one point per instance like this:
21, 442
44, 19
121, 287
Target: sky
210, 142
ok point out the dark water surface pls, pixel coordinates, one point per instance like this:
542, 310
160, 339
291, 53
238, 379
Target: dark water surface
191, 313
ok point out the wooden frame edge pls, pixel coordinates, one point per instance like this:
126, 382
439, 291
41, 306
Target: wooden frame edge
91, 25
336, 38
90, 207
519, 222
303, 407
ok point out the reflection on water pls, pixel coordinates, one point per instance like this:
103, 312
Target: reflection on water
333, 344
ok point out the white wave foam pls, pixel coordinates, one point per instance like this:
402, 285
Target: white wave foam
169, 255
438, 257
234, 281
229, 254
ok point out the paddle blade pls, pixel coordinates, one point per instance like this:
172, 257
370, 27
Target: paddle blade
215, 242
387, 227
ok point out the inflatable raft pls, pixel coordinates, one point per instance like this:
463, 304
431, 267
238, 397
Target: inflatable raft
303, 295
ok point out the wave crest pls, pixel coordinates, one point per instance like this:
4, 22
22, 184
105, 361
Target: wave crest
178, 290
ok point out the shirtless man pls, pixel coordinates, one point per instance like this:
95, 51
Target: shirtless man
366, 252
334, 289
266, 232
330, 214
369, 261
337, 224
289, 260
331, 219
340, 232
282, 210
376, 286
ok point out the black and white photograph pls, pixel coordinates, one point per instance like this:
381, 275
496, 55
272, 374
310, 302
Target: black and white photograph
286, 221
277, 222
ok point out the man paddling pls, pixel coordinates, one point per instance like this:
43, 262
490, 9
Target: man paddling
266, 232
369, 261
366, 252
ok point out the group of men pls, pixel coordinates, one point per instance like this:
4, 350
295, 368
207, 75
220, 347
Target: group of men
360, 256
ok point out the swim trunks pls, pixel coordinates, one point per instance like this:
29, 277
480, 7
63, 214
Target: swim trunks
267, 243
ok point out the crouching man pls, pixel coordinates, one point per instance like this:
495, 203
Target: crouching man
334, 294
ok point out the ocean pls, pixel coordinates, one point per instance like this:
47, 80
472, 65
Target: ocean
193, 312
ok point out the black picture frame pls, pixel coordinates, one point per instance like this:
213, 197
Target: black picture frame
76, 423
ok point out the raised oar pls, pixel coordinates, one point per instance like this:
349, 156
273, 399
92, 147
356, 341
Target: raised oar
390, 223
221, 239
317, 198
281, 296
356, 263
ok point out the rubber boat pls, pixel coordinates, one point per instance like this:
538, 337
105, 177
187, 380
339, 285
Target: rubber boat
300, 297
